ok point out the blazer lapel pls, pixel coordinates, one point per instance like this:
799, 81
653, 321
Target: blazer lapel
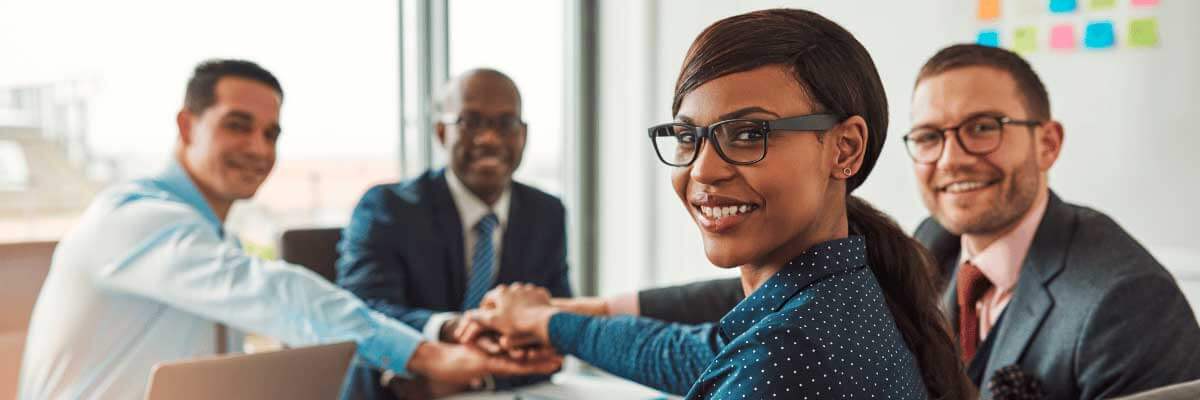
449, 230
1031, 300
516, 238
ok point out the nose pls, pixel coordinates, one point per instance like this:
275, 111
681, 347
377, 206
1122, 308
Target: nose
261, 146
709, 168
953, 154
487, 135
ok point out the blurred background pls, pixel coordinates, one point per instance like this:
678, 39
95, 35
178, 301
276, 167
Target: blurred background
89, 90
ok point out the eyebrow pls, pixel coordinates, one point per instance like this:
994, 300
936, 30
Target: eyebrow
237, 114
991, 113
732, 115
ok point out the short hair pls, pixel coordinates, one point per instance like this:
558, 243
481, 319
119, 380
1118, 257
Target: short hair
1037, 101
201, 88
450, 91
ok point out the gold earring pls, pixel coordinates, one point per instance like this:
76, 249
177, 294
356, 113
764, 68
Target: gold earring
847, 171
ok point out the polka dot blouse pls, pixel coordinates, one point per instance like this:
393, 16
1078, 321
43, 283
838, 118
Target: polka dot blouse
818, 329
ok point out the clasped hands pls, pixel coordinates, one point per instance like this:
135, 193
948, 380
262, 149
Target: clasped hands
512, 320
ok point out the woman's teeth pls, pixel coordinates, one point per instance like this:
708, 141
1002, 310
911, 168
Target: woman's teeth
722, 212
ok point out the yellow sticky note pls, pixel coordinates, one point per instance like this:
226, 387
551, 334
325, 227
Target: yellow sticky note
1143, 32
1101, 4
1025, 39
989, 10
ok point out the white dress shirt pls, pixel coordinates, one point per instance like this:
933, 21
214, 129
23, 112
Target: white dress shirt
470, 210
141, 279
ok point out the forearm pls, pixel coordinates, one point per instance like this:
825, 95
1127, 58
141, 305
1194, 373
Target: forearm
667, 357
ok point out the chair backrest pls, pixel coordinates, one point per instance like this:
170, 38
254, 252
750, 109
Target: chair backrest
23, 268
315, 249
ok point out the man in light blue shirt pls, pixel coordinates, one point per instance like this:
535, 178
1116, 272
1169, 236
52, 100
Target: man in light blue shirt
149, 271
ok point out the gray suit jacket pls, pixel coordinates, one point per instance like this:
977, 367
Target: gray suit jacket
1093, 315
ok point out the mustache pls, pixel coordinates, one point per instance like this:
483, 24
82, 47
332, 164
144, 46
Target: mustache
249, 161
481, 152
947, 176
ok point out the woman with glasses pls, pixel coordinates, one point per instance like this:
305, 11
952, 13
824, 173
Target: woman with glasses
779, 116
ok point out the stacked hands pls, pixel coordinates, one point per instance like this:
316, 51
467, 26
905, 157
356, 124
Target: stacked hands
506, 336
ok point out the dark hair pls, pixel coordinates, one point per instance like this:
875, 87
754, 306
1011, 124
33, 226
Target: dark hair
201, 88
838, 76
1037, 102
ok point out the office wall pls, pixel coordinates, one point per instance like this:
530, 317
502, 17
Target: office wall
1128, 147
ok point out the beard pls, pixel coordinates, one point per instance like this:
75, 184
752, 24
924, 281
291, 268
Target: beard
1018, 193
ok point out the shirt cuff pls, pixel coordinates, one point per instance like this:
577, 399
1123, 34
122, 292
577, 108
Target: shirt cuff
433, 326
623, 304
391, 345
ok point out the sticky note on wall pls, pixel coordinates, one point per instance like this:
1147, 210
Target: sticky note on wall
1062, 37
1025, 39
1143, 32
1063, 6
989, 10
1099, 35
1145, 2
1027, 8
990, 38
1095, 5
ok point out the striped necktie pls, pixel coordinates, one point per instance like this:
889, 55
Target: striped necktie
481, 262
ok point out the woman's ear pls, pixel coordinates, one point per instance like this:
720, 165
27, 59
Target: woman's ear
851, 145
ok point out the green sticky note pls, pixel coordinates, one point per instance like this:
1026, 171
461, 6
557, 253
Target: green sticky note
1102, 4
1025, 39
1143, 32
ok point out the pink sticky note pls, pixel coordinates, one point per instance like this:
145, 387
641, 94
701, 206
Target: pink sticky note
1062, 37
1145, 2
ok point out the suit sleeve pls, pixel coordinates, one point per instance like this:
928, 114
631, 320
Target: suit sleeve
559, 282
1141, 335
369, 265
693, 303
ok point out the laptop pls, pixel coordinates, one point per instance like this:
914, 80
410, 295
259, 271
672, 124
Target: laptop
314, 372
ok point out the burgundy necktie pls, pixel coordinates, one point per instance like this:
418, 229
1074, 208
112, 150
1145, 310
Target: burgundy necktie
972, 284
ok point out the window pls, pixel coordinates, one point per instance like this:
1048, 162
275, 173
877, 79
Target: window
98, 101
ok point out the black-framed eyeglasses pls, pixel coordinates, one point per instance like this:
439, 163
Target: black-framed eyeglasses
978, 136
505, 125
737, 141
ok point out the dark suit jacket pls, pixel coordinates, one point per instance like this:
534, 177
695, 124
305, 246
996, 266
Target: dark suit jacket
402, 252
1093, 314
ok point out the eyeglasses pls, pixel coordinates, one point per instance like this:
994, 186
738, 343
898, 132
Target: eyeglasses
737, 141
977, 136
472, 124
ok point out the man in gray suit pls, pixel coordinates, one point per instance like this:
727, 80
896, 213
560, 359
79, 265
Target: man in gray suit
1057, 290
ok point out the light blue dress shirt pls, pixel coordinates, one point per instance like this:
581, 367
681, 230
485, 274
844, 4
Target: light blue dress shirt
142, 278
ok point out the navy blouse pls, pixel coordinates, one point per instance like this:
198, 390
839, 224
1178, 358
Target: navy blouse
818, 329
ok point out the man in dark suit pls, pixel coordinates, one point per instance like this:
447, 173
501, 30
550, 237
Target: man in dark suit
425, 250
1057, 290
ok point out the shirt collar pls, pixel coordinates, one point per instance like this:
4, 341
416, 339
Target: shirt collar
470, 208
1001, 261
816, 263
176, 181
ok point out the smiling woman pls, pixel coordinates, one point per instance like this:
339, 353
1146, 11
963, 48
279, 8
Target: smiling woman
780, 115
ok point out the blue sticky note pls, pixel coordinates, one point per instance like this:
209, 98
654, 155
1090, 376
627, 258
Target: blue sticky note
989, 38
1063, 6
1099, 35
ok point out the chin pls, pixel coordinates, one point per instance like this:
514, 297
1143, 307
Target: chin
723, 257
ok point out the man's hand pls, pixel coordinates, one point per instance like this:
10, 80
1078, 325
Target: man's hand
488, 341
463, 365
520, 312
